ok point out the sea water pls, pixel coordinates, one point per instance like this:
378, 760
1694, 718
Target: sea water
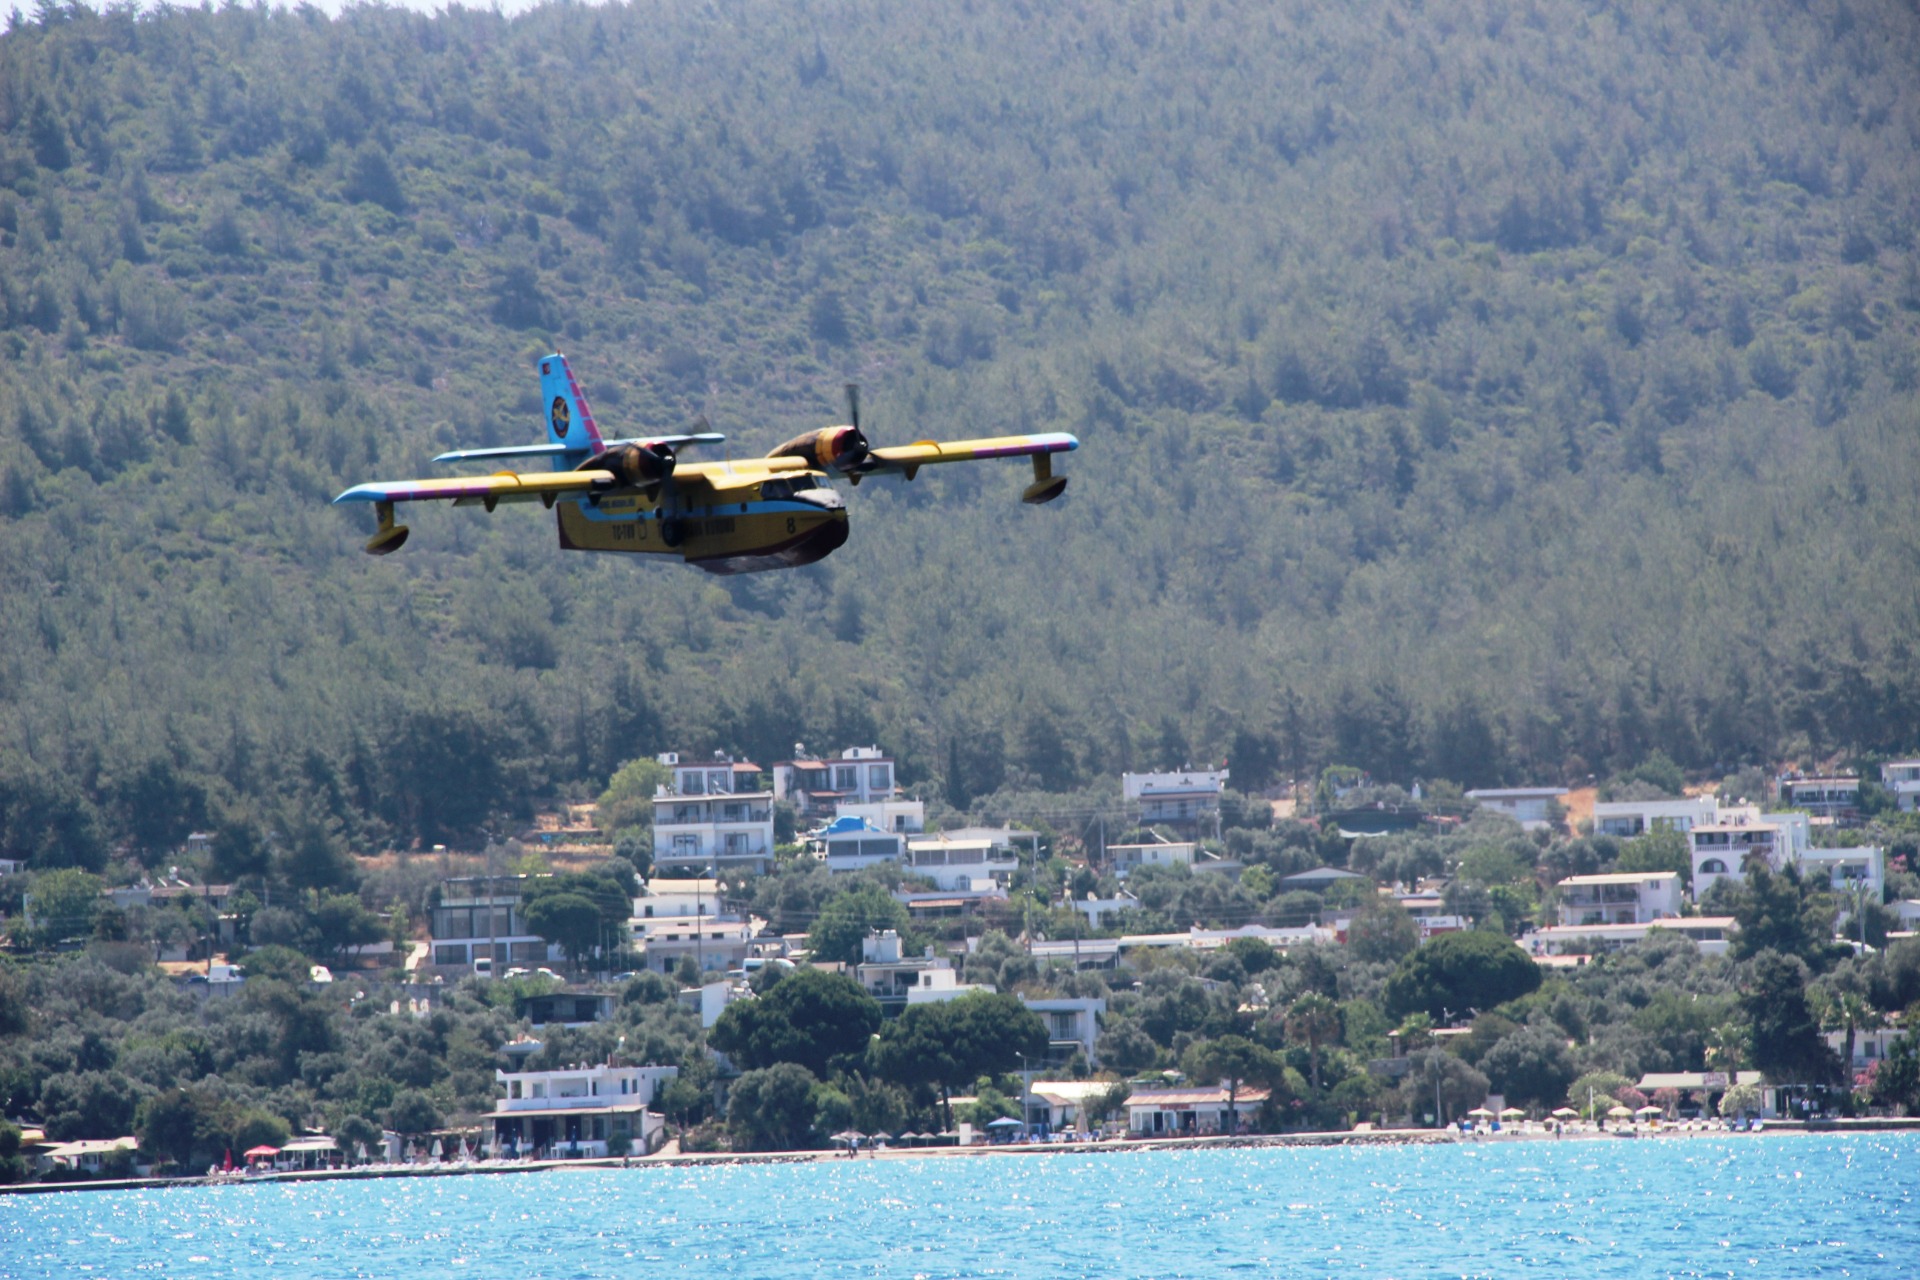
1786, 1206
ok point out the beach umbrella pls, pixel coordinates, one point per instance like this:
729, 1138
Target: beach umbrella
1649, 1110
1004, 1122
262, 1152
1481, 1113
1565, 1113
1619, 1112
1511, 1112
883, 1137
846, 1135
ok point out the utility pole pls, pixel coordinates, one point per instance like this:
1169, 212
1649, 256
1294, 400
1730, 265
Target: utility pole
493, 942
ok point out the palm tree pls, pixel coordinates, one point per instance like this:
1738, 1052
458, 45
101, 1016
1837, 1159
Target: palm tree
1316, 1020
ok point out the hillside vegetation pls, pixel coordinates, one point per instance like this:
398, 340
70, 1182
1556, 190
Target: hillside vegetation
1488, 391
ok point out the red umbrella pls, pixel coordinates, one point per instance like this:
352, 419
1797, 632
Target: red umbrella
262, 1151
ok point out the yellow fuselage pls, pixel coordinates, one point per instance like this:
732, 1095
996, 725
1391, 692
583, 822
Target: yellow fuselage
725, 531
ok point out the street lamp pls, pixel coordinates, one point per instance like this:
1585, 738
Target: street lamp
1026, 1089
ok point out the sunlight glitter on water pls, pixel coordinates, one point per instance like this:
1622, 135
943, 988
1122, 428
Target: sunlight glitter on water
1787, 1206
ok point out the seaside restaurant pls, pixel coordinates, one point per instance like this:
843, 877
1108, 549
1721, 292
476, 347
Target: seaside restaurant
576, 1112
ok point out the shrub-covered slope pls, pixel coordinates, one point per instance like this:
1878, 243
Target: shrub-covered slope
1492, 391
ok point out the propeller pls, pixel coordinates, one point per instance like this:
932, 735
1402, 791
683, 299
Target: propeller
842, 450
854, 444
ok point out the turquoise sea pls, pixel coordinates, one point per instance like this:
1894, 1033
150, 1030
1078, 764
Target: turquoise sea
1786, 1206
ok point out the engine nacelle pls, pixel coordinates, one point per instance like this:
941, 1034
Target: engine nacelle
828, 449
633, 464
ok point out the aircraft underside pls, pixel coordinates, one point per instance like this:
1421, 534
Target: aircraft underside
748, 537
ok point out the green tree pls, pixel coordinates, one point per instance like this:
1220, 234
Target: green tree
772, 1109
955, 1042
1435, 1076
1778, 911
256, 1127
1381, 932
1896, 1080
811, 1017
64, 904
570, 921
846, 920
1457, 972
1236, 1062
628, 799
1313, 1020
173, 1126
341, 923
1662, 849
413, 1113
1532, 1065
1787, 1043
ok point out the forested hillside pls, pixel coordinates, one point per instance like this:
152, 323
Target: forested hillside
1489, 391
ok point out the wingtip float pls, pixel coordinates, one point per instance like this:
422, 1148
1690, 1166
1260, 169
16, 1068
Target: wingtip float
637, 495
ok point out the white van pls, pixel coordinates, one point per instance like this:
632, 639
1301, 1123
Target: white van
483, 966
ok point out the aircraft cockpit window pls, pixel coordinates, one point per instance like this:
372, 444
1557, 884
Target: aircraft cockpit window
776, 490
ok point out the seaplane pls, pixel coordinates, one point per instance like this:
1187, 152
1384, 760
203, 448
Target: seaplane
636, 495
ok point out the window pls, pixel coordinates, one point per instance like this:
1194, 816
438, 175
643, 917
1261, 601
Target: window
846, 777
1713, 867
693, 784
686, 846
880, 777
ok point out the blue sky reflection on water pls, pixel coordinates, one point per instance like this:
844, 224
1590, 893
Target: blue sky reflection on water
1789, 1206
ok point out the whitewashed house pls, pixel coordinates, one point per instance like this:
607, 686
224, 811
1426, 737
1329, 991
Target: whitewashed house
1636, 897
712, 818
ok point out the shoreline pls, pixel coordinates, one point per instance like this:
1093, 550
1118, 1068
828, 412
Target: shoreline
1332, 1138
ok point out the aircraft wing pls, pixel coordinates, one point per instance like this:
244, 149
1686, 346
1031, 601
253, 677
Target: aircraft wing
555, 450
909, 458
725, 476
505, 486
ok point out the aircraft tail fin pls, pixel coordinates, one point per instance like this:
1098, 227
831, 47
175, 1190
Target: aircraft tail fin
570, 421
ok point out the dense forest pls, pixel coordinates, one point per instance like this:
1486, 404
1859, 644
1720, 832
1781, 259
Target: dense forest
1476, 390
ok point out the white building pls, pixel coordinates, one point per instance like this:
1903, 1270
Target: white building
577, 1111
1097, 910
1637, 897
1189, 1112
1721, 849
1073, 1024
713, 818
714, 945
1531, 807
1870, 1045
905, 817
1902, 778
1846, 871
1125, 859
1709, 933
676, 898
897, 980
974, 859
848, 844
1053, 1105
478, 914
1836, 798
1188, 800
710, 999
1629, 818
819, 788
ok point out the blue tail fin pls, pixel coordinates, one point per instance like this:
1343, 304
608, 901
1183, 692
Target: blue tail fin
570, 422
